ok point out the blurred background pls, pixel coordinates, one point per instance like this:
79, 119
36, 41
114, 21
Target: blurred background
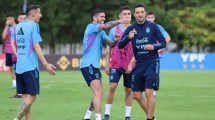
190, 23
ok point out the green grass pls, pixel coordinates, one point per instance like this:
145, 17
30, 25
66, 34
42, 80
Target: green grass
183, 95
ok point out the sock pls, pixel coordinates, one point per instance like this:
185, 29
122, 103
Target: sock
127, 111
154, 93
88, 114
14, 83
107, 109
98, 116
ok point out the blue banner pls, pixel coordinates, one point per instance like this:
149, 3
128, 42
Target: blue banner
188, 61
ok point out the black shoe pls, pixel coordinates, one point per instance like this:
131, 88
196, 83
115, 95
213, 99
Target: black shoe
86, 119
16, 96
128, 118
106, 117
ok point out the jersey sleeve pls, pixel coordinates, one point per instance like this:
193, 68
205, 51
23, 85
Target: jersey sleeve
36, 33
160, 38
111, 34
163, 31
104, 36
93, 28
12, 35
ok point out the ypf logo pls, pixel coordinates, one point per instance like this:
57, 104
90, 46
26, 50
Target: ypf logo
63, 62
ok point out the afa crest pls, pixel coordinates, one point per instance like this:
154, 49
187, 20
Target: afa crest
147, 30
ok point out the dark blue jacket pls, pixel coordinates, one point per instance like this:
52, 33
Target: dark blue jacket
146, 33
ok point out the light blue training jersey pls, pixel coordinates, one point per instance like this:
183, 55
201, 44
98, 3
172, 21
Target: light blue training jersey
27, 34
163, 31
92, 44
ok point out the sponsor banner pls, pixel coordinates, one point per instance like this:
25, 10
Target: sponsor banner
169, 61
188, 61
3, 68
68, 62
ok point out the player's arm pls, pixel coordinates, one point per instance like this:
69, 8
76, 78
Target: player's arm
168, 38
4, 33
111, 43
126, 37
111, 24
13, 46
49, 67
12, 41
161, 40
130, 65
107, 56
165, 34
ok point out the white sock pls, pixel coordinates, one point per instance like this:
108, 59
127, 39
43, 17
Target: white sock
98, 116
107, 109
154, 93
14, 83
88, 114
127, 111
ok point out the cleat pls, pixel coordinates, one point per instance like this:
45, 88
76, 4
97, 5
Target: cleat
86, 119
106, 117
128, 118
16, 96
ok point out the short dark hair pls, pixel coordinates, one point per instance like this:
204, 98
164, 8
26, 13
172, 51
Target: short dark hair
124, 8
10, 15
150, 13
138, 5
31, 7
21, 13
96, 11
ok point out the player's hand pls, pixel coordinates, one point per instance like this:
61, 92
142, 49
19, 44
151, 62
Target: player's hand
117, 37
50, 68
125, 20
7, 23
160, 50
131, 34
107, 70
129, 69
149, 47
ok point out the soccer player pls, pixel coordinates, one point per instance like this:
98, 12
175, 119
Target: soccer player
21, 17
6, 35
144, 36
27, 67
117, 65
150, 16
94, 37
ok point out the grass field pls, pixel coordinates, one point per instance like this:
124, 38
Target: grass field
183, 95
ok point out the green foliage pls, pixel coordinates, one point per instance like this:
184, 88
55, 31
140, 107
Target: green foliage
189, 22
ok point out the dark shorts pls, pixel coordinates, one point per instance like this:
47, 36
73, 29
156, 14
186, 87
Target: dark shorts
146, 77
91, 73
115, 75
28, 82
9, 61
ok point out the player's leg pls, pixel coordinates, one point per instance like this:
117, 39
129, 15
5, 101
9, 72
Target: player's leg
138, 87
89, 111
151, 83
128, 95
31, 88
9, 64
150, 103
114, 78
141, 100
92, 77
96, 87
27, 114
